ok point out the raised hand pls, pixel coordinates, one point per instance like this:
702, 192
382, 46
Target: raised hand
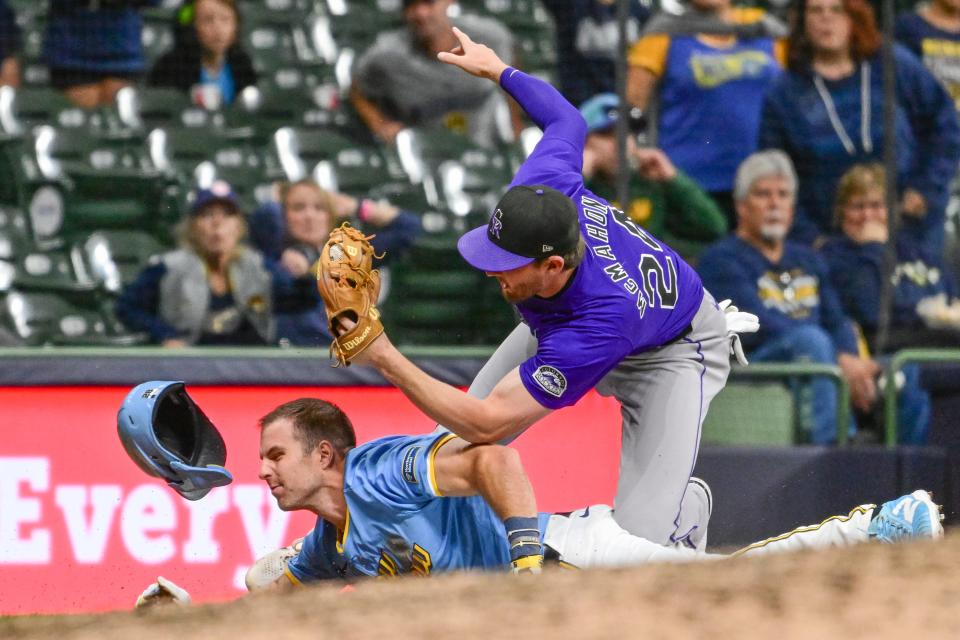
474, 58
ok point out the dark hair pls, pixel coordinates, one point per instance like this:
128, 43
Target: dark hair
865, 38
315, 420
572, 258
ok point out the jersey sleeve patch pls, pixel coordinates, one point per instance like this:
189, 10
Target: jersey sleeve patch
550, 380
408, 468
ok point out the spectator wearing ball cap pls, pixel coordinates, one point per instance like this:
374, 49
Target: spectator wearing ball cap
214, 290
662, 199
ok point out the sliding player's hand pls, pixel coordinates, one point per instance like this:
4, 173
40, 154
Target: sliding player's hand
474, 58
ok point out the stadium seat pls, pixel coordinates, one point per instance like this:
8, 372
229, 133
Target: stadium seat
112, 183
515, 14
145, 108
40, 318
468, 180
157, 36
751, 414
199, 156
128, 250
300, 102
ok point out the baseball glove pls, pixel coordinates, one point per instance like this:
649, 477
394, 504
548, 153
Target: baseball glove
349, 286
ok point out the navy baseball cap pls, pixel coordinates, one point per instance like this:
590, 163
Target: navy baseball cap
219, 192
602, 110
529, 223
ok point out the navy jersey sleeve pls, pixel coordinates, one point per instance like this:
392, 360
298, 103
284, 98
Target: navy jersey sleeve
557, 160
571, 361
396, 472
315, 561
139, 303
933, 118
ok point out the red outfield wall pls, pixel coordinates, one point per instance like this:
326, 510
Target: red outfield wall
82, 529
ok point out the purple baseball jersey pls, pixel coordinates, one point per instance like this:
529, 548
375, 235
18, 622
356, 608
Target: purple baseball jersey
630, 294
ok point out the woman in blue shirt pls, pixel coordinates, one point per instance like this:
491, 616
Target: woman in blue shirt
826, 112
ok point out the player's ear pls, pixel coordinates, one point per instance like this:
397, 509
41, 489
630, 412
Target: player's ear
555, 264
326, 453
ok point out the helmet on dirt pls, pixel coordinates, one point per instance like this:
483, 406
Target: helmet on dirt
168, 436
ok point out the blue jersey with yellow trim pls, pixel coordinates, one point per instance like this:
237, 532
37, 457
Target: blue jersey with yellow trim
398, 522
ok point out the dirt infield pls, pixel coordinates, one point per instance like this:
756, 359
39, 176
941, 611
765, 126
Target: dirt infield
871, 591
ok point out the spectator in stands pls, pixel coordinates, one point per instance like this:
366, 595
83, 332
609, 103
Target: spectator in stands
663, 200
932, 33
787, 286
295, 235
10, 43
709, 90
826, 112
214, 69
587, 36
93, 48
925, 311
399, 82
213, 290
923, 293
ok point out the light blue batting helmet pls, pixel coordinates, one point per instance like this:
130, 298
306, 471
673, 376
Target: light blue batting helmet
167, 434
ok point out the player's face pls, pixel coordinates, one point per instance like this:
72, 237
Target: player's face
293, 476
216, 26
307, 220
766, 213
828, 26
520, 284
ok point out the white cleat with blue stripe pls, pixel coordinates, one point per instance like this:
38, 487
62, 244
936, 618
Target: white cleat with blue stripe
913, 516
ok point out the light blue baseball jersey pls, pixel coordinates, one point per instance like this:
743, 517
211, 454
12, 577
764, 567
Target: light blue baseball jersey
631, 293
399, 522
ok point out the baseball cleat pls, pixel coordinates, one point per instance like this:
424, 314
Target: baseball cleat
910, 516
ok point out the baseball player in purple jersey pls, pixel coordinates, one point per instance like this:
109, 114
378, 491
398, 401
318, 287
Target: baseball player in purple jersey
604, 305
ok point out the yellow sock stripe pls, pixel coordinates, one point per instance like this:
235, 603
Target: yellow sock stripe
292, 578
528, 562
758, 545
431, 455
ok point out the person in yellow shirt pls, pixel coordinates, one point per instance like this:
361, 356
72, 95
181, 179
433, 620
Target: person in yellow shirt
709, 69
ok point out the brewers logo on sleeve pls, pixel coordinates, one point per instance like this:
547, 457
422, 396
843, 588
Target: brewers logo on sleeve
550, 380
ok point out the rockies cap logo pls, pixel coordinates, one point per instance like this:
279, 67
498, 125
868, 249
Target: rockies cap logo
495, 223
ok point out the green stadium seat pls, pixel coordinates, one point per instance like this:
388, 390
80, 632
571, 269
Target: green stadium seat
129, 251
515, 14
752, 414
268, 108
157, 36
112, 183
40, 318
146, 108
200, 156
467, 179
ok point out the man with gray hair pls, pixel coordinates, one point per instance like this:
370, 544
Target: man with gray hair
786, 285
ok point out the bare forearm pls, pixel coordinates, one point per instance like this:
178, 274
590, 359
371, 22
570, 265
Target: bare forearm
463, 414
502, 482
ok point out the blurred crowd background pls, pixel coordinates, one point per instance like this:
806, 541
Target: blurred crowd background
170, 169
